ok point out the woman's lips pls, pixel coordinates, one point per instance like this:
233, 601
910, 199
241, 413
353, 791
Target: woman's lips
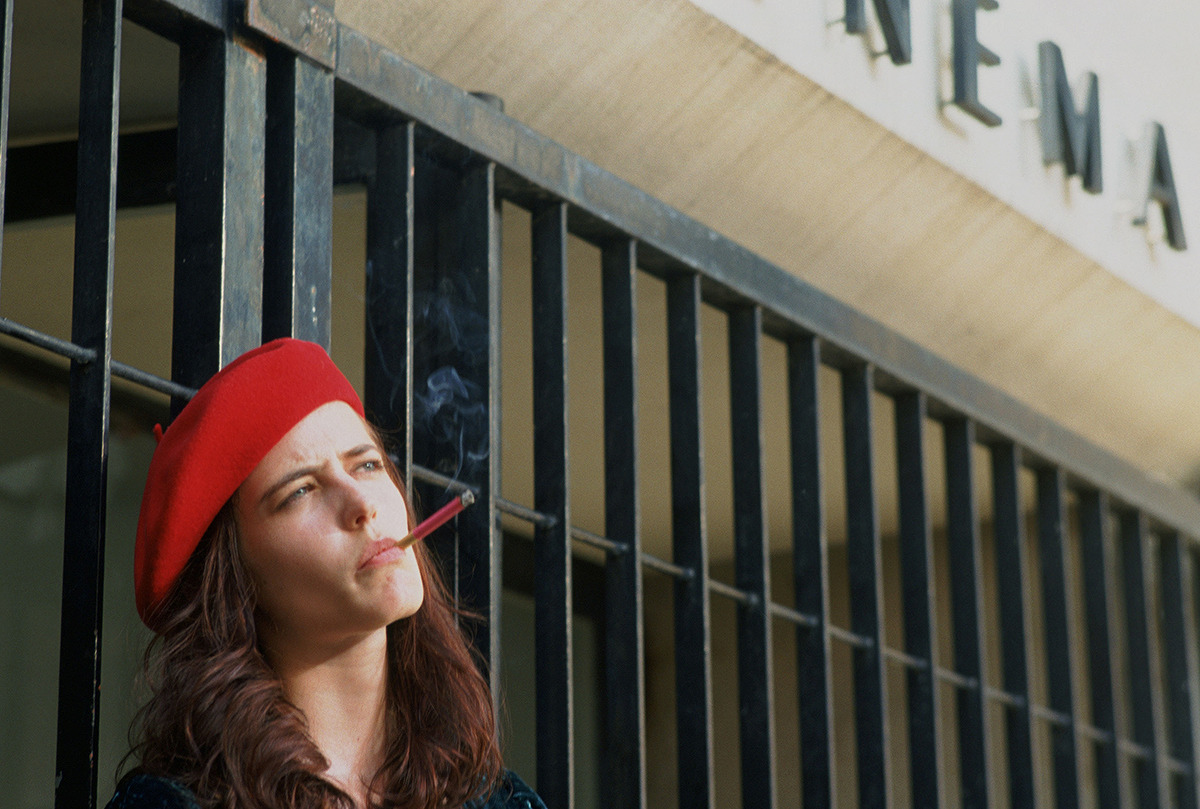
380, 552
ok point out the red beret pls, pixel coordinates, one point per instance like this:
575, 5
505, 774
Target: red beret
214, 444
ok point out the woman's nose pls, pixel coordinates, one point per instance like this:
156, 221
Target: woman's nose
359, 506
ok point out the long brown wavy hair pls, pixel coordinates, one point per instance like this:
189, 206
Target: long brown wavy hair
218, 722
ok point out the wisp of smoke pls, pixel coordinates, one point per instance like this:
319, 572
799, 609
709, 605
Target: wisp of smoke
452, 414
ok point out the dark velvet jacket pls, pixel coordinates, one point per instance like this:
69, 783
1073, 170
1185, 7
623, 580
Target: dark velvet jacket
139, 791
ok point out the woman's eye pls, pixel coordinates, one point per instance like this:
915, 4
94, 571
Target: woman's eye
371, 465
295, 495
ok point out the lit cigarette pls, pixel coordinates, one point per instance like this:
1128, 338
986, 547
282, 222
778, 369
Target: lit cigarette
437, 519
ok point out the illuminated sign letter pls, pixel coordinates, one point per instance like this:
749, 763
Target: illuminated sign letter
893, 19
968, 55
1068, 137
1160, 187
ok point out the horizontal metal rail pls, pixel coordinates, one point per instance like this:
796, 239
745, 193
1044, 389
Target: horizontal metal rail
733, 593
669, 568
536, 518
64, 348
1177, 766
71, 351
794, 616
597, 541
151, 381
1137, 752
1005, 698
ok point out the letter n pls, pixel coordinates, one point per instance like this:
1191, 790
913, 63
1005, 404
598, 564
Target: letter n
1069, 137
895, 21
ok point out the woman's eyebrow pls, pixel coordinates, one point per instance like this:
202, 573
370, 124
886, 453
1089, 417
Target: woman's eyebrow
361, 449
294, 475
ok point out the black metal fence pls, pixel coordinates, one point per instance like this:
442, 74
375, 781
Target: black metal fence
278, 102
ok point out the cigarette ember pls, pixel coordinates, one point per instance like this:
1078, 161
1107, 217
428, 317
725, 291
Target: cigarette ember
437, 519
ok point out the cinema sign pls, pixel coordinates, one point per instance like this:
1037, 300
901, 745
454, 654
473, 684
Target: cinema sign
1069, 136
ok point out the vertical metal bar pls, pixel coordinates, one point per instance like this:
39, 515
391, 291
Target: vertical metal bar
1093, 509
479, 548
810, 572
1176, 642
866, 587
693, 663
1012, 588
6, 11
752, 560
966, 586
455, 242
1142, 710
552, 547
388, 361
219, 215
298, 246
88, 416
447, 318
625, 748
1052, 529
920, 630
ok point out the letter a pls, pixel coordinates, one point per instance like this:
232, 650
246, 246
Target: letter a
1160, 188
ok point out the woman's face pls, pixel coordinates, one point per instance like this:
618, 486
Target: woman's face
315, 519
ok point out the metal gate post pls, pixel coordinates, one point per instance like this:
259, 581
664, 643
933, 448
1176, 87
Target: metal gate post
219, 215
88, 418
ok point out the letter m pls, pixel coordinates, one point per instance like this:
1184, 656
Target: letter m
1069, 137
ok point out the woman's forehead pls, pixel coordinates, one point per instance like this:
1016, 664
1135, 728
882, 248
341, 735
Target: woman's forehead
331, 430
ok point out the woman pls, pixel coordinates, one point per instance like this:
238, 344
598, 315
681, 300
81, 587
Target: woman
301, 658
